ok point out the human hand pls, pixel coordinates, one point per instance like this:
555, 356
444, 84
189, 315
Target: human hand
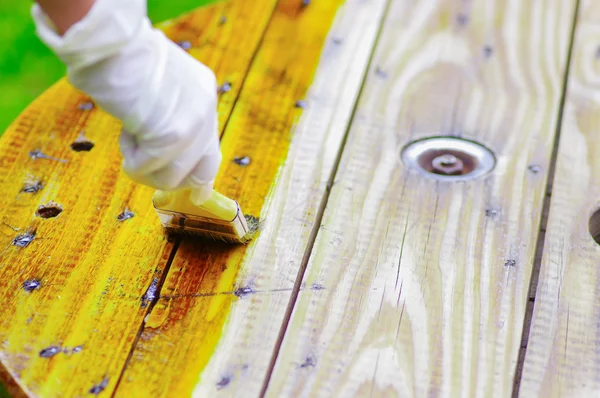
165, 98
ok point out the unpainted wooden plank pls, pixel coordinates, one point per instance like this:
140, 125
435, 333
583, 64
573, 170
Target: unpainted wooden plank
563, 352
213, 331
76, 285
423, 284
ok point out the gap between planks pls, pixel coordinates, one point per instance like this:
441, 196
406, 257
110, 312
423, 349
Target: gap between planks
541, 239
159, 285
319, 216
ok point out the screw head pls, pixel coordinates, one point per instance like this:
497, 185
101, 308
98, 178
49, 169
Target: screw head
448, 158
447, 164
242, 161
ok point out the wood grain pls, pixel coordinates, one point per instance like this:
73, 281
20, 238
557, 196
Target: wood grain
75, 297
563, 351
423, 284
213, 331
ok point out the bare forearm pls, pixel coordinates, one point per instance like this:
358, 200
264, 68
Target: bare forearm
65, 13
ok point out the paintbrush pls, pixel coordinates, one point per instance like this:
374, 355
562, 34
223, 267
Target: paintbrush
219, 218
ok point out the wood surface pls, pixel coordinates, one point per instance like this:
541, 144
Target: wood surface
74, 298
563, 351
214, 329
423, 285
414, 287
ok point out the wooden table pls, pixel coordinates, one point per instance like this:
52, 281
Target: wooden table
368, 278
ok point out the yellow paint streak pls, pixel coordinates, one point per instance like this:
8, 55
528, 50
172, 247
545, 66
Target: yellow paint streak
93, 268
226, 280
201, 284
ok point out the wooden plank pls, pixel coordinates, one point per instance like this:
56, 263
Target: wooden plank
563, 351
72, 297
213, 331
423, 284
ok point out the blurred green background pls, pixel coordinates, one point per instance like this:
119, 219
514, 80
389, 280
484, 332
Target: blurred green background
27, 67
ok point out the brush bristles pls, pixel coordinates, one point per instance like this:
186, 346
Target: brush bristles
235, 231
218, 237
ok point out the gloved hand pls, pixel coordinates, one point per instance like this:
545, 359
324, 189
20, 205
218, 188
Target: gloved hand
164, 97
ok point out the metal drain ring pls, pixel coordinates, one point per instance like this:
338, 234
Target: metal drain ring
448, 158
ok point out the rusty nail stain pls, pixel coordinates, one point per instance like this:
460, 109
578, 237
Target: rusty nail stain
534, 168
302, 104
32, 187
462, 19
50, 210
184, 44
23, 240
224, 382
491, 212
242, 161
225, 87
381, 73
125, 215
309, 362
222, 20
50, 351
510, 263
37, 154
86, 106
32, 284
150, 294
243, 291
98, 388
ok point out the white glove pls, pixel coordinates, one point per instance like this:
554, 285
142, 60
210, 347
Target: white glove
165, 98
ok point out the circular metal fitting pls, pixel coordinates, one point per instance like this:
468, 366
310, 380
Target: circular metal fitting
449, 158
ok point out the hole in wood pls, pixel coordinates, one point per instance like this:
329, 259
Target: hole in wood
448, 158
82, 144
594, 226
49, 210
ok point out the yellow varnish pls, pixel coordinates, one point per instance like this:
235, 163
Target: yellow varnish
91, 268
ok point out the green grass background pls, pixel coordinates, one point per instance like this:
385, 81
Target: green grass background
27, 67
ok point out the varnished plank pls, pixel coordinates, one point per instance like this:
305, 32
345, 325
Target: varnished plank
213, 331
563, 350
75, 297
424, 284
